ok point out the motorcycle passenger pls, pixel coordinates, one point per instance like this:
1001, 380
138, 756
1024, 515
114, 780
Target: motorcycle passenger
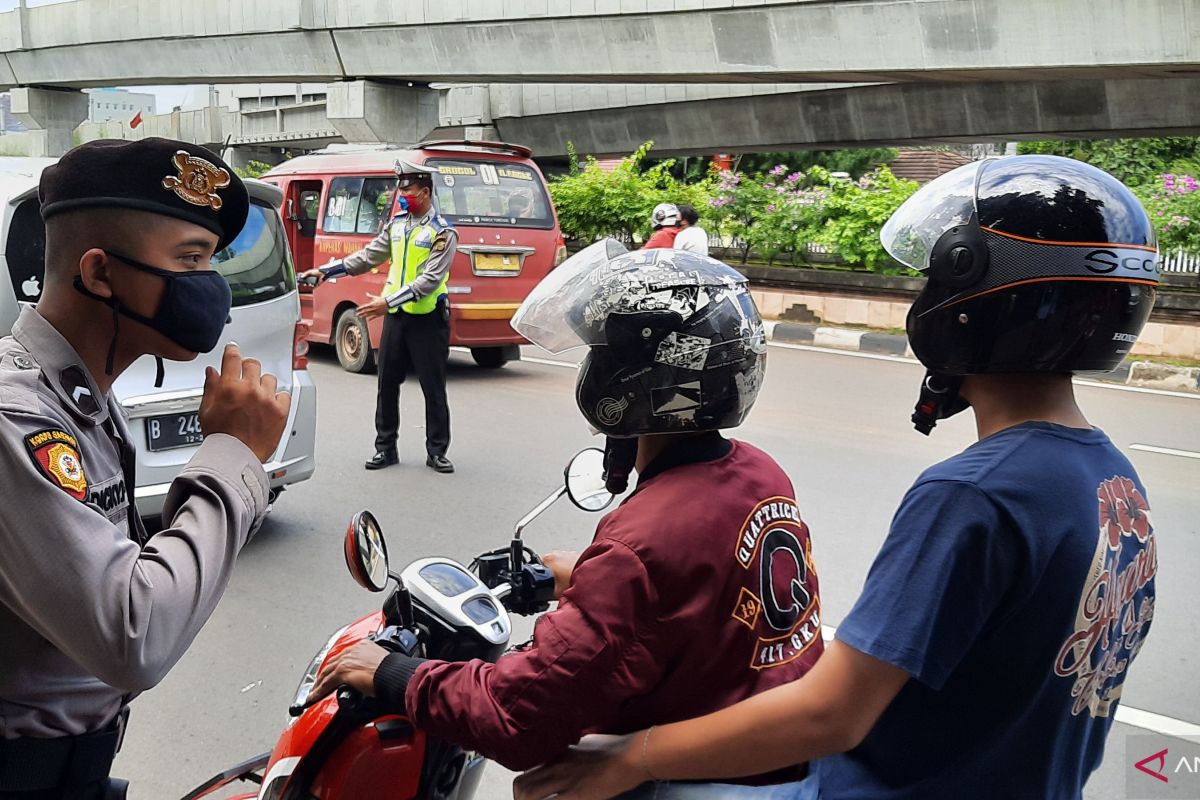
986, 655
699, 589
665, 221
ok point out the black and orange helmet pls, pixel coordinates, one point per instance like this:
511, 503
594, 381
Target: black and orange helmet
1035, 264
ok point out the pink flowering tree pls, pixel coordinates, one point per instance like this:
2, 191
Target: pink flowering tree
1173, 202
781, 213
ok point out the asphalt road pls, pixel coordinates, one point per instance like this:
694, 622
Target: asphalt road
837, 423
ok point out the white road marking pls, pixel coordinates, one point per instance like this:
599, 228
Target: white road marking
530, 359
1167, 451
1120, 387
1146, 720
1158, 723
833, 351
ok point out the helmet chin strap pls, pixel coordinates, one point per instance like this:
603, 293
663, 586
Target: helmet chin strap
939, 400
619, 457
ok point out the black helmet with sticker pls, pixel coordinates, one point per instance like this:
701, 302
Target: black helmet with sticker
676, 343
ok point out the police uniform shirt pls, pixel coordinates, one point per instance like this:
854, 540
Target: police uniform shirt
380, 250
91, 612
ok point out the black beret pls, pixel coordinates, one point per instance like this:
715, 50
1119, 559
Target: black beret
162, 176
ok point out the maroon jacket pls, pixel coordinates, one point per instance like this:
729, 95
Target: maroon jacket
697, 592
661, 238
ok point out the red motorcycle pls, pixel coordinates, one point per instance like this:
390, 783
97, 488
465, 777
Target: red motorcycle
346, 746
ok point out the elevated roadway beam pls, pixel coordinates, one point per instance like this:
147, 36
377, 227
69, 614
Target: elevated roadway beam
126, 42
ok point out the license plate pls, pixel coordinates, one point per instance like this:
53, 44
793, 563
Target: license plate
173, 430
497, 262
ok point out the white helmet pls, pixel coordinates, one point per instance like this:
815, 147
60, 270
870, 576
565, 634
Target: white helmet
665, 215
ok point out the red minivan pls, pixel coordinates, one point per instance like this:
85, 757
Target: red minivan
493, 194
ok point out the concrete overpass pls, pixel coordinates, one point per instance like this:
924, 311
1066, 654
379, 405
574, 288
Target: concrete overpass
686, 119
866, 116
716, 72
124, 42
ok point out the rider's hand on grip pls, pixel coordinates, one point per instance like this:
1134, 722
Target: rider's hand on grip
245, 403
562, 564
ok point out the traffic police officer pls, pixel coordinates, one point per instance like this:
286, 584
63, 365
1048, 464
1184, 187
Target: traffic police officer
92, 609
416, 332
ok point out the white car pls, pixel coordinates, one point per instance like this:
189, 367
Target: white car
265, 324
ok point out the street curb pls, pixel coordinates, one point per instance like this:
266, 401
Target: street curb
1145, 374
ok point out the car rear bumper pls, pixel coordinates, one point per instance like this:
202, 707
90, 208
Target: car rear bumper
293, 461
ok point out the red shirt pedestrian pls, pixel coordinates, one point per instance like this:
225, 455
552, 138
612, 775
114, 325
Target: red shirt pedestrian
663, 237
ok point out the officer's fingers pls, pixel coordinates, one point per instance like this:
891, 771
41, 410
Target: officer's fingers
283, 402
269, 383
231, 361
251, 370
211, 376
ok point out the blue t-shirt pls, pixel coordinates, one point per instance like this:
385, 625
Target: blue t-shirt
1016, 585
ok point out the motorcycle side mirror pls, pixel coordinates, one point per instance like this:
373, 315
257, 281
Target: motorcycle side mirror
366, 552
584, 478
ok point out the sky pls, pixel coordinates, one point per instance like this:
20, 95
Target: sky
167, 97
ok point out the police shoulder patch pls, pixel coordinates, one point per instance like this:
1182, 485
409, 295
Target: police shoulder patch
56, 454
441, 242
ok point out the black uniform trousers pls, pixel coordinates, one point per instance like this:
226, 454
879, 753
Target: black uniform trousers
420, 342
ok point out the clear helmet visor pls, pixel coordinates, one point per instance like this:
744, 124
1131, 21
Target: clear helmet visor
545, 316
911, 232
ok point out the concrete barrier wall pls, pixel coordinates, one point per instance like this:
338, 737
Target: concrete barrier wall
1166, 339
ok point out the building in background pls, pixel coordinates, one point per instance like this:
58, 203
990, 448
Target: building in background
105, 105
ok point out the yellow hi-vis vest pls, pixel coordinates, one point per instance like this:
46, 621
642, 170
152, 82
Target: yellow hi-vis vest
410, 251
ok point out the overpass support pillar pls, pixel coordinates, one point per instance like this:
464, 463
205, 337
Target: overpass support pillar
51, 116
374, 112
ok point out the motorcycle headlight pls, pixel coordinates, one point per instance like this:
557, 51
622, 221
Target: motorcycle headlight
314, 668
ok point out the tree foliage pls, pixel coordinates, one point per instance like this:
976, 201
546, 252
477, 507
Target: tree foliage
592, 203
253, 169
857, 162
1173, 202
1135, 162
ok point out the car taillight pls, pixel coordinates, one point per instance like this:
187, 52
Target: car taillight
300, 347
560, 252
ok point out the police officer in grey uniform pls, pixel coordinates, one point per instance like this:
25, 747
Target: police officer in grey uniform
416, 332
92, 609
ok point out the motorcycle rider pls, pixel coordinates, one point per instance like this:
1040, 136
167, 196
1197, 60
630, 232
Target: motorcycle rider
986, 654
665, 221
703, 577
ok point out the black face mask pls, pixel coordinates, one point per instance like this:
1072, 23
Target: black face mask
193, 312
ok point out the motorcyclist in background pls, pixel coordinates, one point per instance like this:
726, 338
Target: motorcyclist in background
665, 222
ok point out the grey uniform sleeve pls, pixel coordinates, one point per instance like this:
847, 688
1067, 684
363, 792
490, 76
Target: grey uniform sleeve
125, 613
437, 266
378, 251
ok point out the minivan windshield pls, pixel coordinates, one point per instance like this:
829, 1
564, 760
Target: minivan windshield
497, 193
